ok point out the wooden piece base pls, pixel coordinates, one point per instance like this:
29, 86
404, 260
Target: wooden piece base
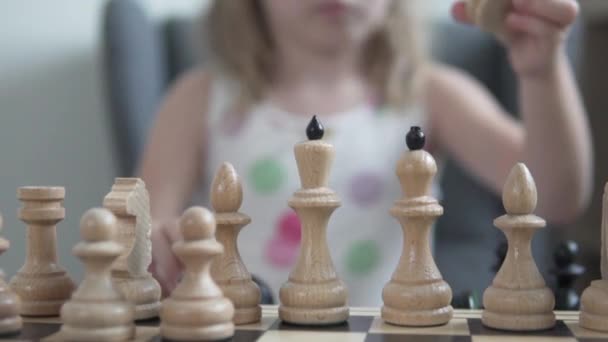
327, 316
420, 318
247, 308
518, 310
247, 315
143, 292
11, 325
110, 321
31, 287
206, 320
313, 303
419, 305
594, 306
111, 334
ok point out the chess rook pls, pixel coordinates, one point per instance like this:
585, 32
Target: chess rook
129, 202
518, 298
594, 300
313, 294
228, 269
10, 321
97, 311
42, 284
197, 310
416, 295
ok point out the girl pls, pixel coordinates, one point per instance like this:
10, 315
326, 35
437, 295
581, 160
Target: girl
358, 65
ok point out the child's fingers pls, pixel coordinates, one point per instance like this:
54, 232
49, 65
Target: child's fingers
166, 268
560, 12
530, 25
460, 12
172, 232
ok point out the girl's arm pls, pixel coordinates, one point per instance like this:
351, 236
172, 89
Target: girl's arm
553, 137
171, 166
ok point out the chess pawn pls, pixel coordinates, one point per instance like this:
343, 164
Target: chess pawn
197, 310
416, 295
594, 300
313, 294
97, 310
10, 321
518, 298
228, 269
129, 202
42, 284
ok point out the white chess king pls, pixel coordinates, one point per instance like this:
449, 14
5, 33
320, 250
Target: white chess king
314, 295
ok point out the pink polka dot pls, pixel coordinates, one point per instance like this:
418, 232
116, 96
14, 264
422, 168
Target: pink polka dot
280, 253
289, 229
366, 188
283, 248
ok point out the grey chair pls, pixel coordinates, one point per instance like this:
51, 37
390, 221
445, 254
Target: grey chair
143, 56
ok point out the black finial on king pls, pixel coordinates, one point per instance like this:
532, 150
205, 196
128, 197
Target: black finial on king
314, 130
415, 139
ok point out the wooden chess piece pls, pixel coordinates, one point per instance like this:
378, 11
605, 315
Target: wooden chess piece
489, 15
314, 295
518, 298
97, 311
42, 284
10, 321
129, 202
594, 300
566, 272
228, 269
416, 295
197, 310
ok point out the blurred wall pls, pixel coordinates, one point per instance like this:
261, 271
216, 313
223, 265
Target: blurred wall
53, 122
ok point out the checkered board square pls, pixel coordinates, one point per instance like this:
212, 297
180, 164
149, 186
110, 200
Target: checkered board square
364, 325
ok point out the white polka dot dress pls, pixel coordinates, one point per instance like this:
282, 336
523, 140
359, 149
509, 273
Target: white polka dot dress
364, 240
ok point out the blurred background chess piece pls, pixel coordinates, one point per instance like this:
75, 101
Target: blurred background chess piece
566, 273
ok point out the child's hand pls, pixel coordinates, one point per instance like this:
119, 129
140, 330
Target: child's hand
165, 267
535, 31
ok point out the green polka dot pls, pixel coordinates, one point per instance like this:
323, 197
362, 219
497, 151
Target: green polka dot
363, 257
266, 175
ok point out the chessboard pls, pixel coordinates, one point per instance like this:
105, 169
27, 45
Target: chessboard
364, 325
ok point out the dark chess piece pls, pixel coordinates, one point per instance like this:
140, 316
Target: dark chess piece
470, 300
566, 273
501, 254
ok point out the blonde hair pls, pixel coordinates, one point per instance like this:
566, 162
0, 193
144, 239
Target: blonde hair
240, 44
